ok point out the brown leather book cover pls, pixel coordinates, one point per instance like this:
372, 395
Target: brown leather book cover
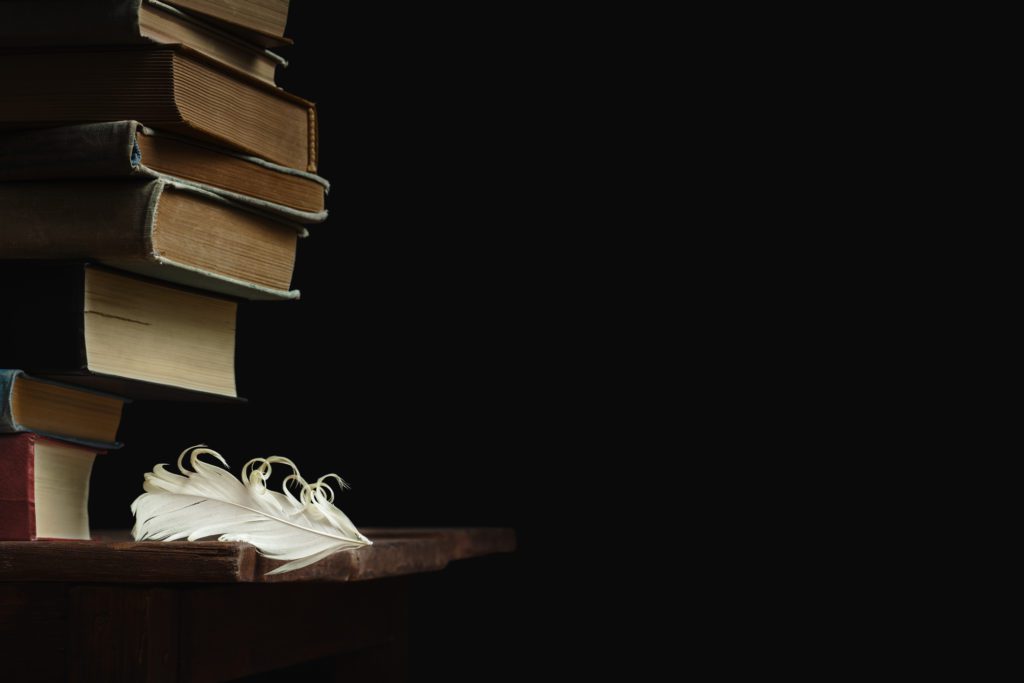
67, 23
114, 222
128, 149
17, 487
261, 21
174, 88
18, 510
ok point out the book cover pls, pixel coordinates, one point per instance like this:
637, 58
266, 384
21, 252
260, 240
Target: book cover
17, 493
170, 88
161, 342
8, 419
159, 228
56, 508
63, 23
125, 149
262, 21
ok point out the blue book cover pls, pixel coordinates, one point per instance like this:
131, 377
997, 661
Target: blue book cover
58, 396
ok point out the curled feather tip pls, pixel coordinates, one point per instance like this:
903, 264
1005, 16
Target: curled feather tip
210, 501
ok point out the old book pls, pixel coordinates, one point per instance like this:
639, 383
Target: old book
261, 21
89, 326
47, 23
174, 89
44, 488
121, 149
156, 228
32, 404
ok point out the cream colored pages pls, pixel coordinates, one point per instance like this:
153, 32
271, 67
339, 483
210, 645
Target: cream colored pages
142, 330
62, 490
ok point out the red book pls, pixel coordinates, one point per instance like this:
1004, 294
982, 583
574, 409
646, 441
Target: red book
44, 488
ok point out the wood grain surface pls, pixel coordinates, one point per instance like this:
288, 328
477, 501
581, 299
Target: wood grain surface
113, 557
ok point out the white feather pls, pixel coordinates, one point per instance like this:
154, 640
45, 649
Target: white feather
209, 501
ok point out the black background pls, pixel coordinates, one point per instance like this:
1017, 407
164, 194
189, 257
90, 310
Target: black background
420, 363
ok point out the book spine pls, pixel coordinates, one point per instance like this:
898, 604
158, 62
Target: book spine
17, 487
90, 150
7, 423
71, 220
41, 23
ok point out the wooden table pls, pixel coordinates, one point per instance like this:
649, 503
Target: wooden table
112, 609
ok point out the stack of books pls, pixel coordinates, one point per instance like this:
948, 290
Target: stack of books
151, 175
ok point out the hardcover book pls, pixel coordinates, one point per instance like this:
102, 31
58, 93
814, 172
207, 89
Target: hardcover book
90, 326
262, 21
170, 88
159, 228
44, 488
64, 23
123, 149
32, 404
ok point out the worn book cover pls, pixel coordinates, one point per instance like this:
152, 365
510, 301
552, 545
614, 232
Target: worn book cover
44, 488
170, 88
128, 149
64, 23
158, 228
73, 413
